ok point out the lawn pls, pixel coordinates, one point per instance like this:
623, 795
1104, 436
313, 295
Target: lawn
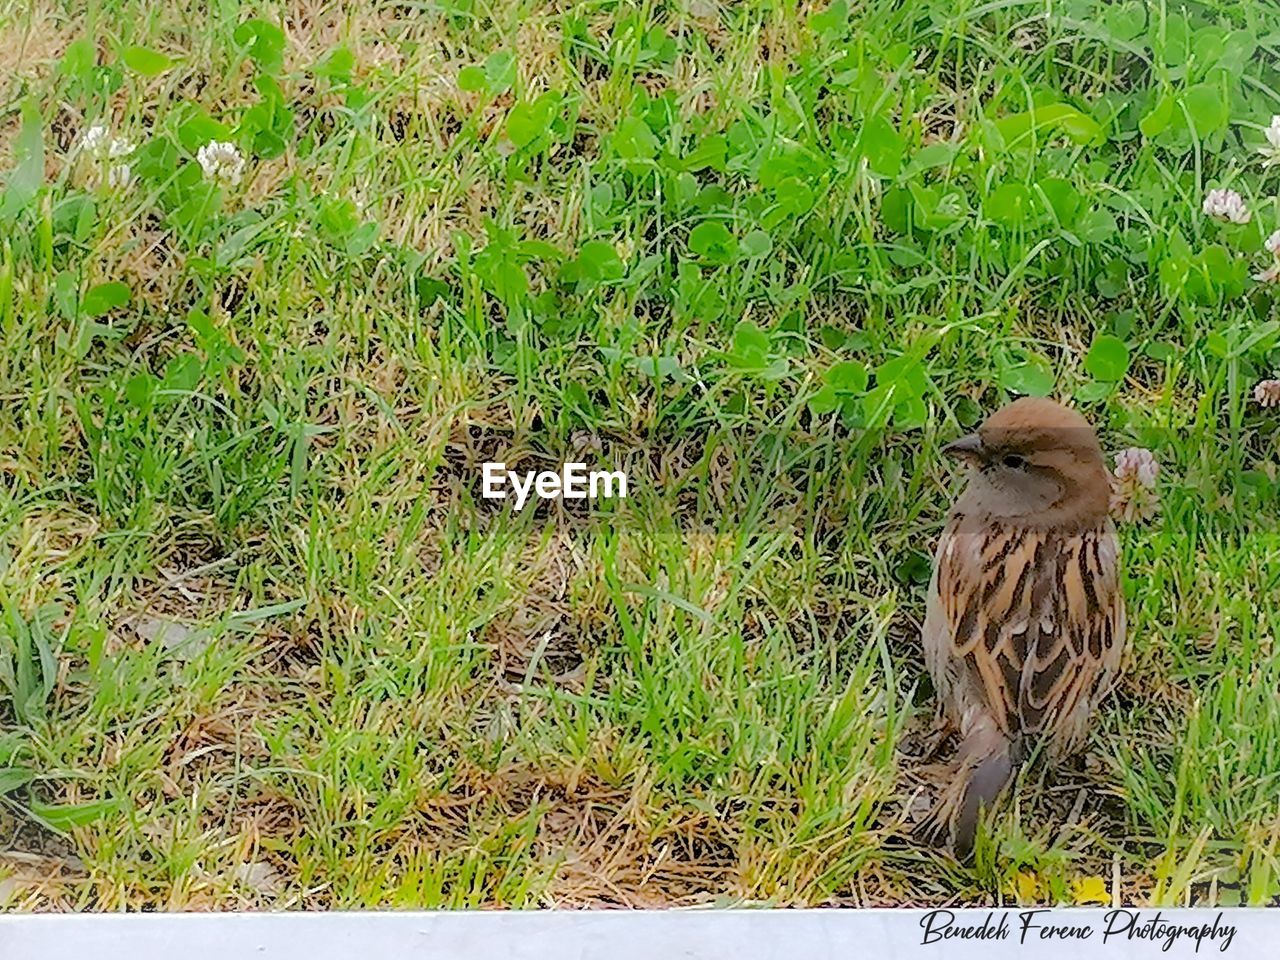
276, 278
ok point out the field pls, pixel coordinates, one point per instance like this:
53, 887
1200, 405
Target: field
262, 644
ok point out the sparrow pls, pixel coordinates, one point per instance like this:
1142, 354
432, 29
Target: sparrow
1025, 626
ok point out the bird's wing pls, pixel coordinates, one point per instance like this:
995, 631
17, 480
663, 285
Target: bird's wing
1076, 636
1032, 621
936, 634
980, 580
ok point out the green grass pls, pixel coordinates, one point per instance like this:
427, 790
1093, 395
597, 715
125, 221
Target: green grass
772, 255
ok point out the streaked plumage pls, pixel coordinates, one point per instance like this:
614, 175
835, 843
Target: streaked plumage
1025, 626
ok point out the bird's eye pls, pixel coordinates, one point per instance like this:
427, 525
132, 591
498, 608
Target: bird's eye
1014, 462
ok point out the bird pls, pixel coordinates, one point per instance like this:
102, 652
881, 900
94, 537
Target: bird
1024, 631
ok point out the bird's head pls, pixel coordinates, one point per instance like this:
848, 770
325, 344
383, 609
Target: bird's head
1036, 463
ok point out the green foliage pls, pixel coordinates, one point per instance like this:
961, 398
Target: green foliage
22, 185
143, 60
102, 298
263, 42
1108, 358
28, 661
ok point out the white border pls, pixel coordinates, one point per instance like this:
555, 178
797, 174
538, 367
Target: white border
617, 935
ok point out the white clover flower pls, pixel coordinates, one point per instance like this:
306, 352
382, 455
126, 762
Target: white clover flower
1267, 393
1269, 275
1226, 205
221, 162
1133, 487
1272, 273
120, 147
1137, 462
94, 139
1271, 149
120, 176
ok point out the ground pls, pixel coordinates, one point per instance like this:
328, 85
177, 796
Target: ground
263, 644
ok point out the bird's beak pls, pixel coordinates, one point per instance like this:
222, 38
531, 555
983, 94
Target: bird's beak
966, 448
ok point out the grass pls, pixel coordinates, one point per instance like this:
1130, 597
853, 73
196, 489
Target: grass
263, 644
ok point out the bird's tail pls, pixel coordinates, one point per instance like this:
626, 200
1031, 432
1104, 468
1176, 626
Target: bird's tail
983, 767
